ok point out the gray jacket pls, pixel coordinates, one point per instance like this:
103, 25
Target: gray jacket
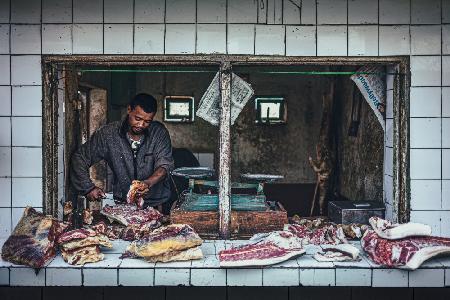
111, 144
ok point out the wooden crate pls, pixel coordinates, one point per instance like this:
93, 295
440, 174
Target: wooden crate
244, 224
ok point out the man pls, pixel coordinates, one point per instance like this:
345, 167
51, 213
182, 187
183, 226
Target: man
136, 148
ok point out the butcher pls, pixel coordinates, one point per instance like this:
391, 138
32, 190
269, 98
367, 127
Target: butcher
136, 148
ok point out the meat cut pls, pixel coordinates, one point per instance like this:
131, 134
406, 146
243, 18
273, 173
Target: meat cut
129, 214
342, 252
407, 253
387, 230
164, 242
263, 250
113, 232
33, 241
136, 192
328, 234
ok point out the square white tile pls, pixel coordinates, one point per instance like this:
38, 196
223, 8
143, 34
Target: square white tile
394, 40
362, 12
425, 194
5, 161
353, 277
426, 39
388, 189
5, 70
426, 278
146, 11
431, 218
136, 277
26, 162
112, 44
445, 163
308, 12
281, 277
301, 40
5, 100
5, 133
394, 11
180, 11
272, 13
5, 222
27, 100
27, 191
242, 11
445, 39
4, 276
388, 161
269, 40
26, 39
317, 277
88, 11
4, 38
389, 278
363, 40
100, 277
208, 248
118, 11
425, 12
26, 70
56, 11
56, 39
445, 132
446, 194
132, 263
241, 39
27, 131
180, 38
63, 277
87, 39
244, 277
425, 132
332, 40
26, 277
149, 38
5, 187
425, 70
25, 11
172, 277
445, 11
292, 11
446, 70
211, 32
208, 277
332, 12
425, 102
445, 224
4, 11
446, 102
211, 11
425, 163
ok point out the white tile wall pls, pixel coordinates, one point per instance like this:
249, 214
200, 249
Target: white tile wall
4, 11
211, 32
446, 133
244, 277
87, 38
425, 70
269, 39
136, 277
425, 163
26, 277
88, 11
446, 195
27, 191
281, 277
362, 12
5, 222
242, 11
425, 12
4, 276
425, 194
5, 100
425, 40
27, 131
180, 38
4, 38
114, 45
301, 40
445, 223
425, 102
426, 278
353, 277
432, 218
25, 11
56, 11
26, 39
394, 11
332, 40
27, 162
5, 161
146, 11
56, 39
5, 187
292, 12
445, 163
5, 134
425, 132
241, 39
446, 70
211, 11
317, 277
5, 69
446, 102
180, 11
63, 277
172, 277
363, 40
394, 40
389, 278
92, 277
445, 39
118, 11
208, 277
149, 38
331, 11
26, 70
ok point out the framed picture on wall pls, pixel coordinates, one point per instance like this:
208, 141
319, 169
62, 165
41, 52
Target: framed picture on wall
270, 110
179, 109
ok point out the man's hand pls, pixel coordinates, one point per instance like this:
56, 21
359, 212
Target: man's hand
95, 194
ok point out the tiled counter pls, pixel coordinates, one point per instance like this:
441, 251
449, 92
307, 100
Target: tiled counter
303, 271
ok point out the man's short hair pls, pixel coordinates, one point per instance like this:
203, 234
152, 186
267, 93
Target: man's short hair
146, 101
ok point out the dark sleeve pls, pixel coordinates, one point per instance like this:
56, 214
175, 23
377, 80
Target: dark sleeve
163, 151
91, 152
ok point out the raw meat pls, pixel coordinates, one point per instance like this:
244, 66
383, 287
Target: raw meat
87, 216
128, 214
137, 190
75, 234
89, 241
188, 254
263, 250
113, 232
82, 256
408, 253
175, 237
32, 243
387, 230
327, 234
342, 252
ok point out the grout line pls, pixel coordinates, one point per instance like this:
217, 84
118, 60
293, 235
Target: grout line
133, 30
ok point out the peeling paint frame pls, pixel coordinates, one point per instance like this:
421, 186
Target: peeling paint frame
50, 63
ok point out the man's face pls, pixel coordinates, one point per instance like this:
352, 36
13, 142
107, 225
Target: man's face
139, 120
